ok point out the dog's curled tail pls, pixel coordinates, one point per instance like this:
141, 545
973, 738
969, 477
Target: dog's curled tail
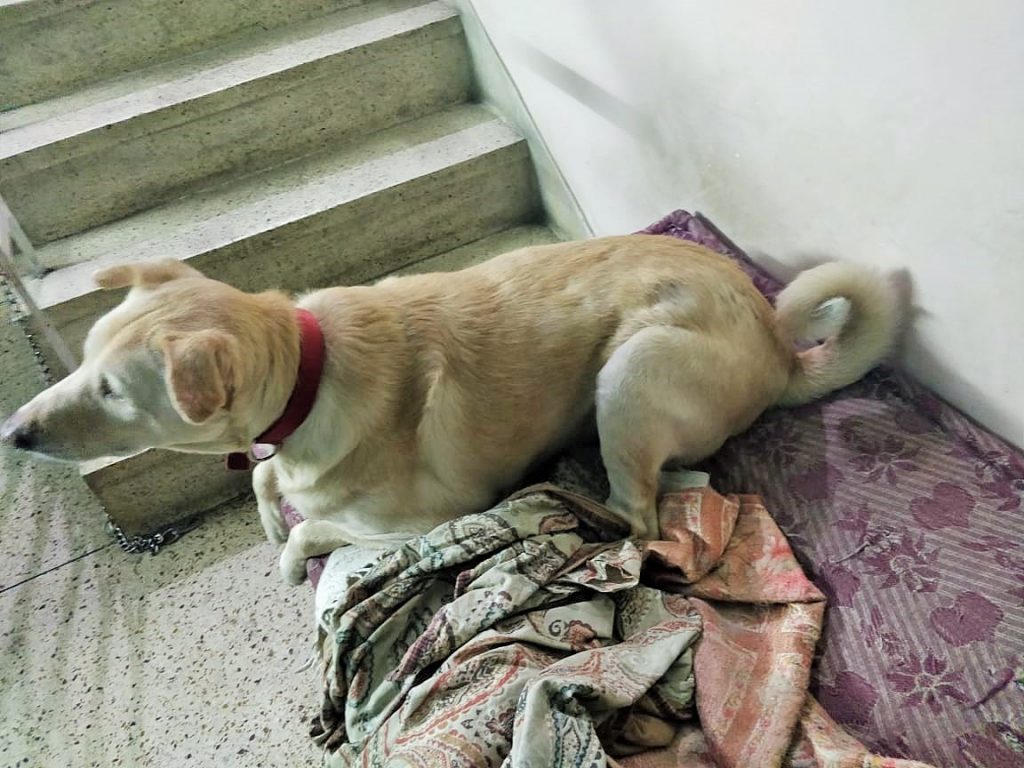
853, 309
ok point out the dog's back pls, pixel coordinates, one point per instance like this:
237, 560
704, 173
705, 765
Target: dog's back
496, 365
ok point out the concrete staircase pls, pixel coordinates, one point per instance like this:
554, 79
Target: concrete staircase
290, 145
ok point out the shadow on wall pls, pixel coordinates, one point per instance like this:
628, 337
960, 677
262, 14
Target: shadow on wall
577, 87
656, 139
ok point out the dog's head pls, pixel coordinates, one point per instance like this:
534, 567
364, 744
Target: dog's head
160, 370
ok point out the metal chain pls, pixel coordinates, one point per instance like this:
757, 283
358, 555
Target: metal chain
133, 545
20, 318
151, 542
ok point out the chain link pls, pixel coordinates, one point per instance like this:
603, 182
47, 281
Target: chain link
151, 542
133, 545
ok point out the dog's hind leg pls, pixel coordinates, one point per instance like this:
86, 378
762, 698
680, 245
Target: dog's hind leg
653, 405
310, 538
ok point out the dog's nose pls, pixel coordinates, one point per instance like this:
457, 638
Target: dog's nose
17, 434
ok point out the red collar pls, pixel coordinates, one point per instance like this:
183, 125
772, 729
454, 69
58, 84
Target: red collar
307, 382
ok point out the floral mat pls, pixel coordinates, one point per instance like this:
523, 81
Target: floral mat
910, 518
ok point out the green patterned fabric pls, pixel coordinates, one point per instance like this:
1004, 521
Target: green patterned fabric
515, 605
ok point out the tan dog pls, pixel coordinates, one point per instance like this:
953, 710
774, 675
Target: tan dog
439, 390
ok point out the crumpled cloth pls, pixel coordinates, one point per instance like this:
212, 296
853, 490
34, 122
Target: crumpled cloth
537, 634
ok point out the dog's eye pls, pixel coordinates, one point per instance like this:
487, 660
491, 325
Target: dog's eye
106, 390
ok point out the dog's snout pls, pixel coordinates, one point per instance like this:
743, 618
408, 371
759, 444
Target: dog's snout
18, 434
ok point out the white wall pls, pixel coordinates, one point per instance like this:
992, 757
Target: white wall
887, 133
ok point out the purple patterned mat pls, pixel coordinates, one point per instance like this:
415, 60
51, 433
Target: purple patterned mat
909, 517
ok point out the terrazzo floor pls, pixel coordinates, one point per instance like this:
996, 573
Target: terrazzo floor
190, 657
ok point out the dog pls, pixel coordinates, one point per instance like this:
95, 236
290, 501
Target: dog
436, 392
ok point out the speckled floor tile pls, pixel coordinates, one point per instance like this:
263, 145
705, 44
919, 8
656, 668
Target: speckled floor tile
47, 515
191, 657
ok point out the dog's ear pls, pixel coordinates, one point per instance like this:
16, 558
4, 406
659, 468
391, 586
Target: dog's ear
143, 274
199, 369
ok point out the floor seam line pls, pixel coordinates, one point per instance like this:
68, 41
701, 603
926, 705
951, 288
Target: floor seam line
34, 576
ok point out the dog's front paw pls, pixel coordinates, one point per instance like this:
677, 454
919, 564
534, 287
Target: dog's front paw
268, 502
293, 568
272, 520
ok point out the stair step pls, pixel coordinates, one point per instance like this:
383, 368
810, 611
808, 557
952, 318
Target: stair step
50, 47
338, 217
510, 239
120, 147
153, 489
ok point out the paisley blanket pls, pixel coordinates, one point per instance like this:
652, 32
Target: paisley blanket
537, 634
